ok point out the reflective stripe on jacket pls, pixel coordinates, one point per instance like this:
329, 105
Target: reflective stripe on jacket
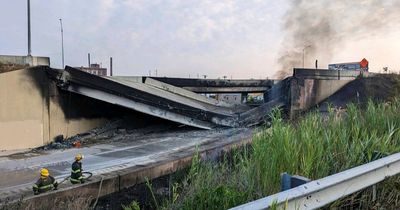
76, 172
44, 184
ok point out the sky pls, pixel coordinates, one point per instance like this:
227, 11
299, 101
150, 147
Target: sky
178, 38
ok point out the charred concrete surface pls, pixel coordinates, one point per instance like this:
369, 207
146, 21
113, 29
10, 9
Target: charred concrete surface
309, 87
33, 110
121, 164
379, 88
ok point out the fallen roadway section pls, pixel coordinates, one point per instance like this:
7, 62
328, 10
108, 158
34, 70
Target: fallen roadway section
115, 167
153, 98
176, 90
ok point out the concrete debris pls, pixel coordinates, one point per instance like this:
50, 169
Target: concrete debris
108, 130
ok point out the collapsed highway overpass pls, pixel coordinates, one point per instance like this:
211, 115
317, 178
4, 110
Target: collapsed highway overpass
153, 97
68, 102
129, 162
45, 103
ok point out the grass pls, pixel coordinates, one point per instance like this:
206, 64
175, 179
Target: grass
314, 146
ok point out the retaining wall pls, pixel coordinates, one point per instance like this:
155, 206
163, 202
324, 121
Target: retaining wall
30, 111
309, 87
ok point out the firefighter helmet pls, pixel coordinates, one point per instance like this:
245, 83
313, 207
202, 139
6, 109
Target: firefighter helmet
44, 172
79, 157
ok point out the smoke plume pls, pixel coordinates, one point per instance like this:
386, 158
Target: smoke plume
321, 27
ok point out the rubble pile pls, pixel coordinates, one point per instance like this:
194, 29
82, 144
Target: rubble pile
114, 131
106, 131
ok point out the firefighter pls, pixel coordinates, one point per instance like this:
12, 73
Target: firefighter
76, 172
44, 183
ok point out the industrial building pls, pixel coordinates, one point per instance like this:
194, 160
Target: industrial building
95, 69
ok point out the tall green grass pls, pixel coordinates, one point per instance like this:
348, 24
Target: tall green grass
318, 146
315, 146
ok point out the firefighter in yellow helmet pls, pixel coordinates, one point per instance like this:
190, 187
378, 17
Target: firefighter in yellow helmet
76, 172
44, 183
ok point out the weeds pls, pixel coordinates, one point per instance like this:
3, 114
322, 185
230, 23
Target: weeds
315, 147
150, 187
134, 205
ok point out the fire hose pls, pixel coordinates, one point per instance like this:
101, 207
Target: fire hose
86, 178
89, 174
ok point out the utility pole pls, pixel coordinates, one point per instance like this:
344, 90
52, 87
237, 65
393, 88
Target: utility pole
88, 56
111, 66
62, 43
29, 28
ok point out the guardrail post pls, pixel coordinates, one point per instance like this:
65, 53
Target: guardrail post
288, 181
374, 193
285, 181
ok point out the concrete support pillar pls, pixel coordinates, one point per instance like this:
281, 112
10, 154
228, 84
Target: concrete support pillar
265, 97
244, 97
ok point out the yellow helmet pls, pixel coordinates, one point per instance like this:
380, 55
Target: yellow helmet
44, 172
78, 157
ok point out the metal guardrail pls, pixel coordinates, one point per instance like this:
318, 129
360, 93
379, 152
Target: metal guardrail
321, 192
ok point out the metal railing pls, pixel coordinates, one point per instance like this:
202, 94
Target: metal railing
321, 192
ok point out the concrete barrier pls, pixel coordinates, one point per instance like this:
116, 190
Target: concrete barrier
25, 60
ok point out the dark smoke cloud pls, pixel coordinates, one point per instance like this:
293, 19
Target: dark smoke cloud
321, 27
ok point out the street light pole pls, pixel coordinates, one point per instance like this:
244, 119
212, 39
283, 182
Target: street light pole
29, 27
62, 43
304, 53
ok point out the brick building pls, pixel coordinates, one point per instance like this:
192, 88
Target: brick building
94, 69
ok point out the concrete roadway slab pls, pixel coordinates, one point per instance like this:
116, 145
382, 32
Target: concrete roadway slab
180, 98
20, 172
